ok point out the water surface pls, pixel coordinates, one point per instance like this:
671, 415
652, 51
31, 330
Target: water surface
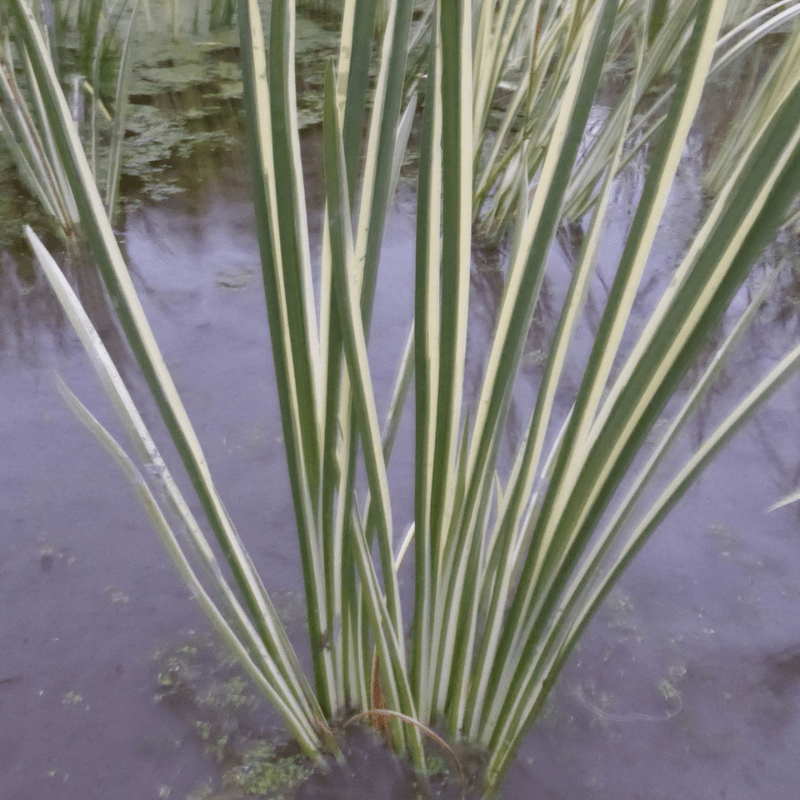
686, 685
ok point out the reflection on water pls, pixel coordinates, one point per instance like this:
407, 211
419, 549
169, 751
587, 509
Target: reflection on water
686, 685
29, 308
33, 328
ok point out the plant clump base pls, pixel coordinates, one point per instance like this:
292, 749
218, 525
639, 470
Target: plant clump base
240, 737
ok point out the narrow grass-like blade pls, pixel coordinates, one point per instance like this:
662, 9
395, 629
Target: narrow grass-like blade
355, 348
282, 327
292, 231
380, 152
426, 370
120, 113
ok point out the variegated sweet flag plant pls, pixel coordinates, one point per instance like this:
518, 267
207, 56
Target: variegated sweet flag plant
511, 557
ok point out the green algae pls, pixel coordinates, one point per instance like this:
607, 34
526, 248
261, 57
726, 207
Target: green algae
265, 773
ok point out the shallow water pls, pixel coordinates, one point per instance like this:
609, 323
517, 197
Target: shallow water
686, 685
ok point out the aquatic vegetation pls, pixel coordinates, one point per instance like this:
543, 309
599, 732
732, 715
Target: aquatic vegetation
512, 555
185, 104
31, 146
264, 772
24, 126
522, 60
